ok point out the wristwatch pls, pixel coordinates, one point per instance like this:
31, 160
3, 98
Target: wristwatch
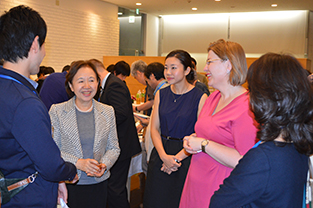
204, 143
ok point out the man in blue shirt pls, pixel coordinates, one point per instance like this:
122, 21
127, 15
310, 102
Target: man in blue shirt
26, 144
53, 89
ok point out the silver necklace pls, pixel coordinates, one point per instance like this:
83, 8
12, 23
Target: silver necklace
175, 99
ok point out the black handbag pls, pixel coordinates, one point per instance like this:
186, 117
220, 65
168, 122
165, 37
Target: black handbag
9, 187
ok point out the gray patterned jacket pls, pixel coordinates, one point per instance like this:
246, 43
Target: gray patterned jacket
65, 134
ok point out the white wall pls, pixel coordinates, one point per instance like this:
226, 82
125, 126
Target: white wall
151, 36
77, 29
192, 33
262, 32
257, 32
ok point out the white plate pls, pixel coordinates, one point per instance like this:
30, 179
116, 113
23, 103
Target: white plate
141, 115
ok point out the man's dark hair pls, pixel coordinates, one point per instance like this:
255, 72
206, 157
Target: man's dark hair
45, 70
110, 68
49, 70
122, 67
155, 68
66, 68
18, 29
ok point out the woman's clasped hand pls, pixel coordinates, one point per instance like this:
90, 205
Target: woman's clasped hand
91, 166
192, 143
170, 163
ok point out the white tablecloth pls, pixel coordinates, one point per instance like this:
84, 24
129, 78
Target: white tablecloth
135, 165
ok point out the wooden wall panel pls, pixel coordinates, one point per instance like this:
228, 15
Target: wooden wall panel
306, 63
134, 86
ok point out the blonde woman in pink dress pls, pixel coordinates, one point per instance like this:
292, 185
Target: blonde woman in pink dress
225, 129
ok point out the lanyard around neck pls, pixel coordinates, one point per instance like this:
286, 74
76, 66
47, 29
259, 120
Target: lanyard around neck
15, 80
160, 87
257, 144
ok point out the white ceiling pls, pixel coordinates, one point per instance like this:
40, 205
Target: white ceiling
168, 7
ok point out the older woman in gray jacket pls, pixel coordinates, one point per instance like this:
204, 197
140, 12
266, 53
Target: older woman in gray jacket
85, 132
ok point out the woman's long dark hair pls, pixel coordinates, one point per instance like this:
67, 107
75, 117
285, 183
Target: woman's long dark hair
281, 98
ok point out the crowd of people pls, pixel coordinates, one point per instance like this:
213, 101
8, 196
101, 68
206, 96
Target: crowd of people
73, 140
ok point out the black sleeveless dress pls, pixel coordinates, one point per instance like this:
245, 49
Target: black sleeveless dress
178, 115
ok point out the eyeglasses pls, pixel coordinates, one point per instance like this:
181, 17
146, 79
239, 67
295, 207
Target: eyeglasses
208, 62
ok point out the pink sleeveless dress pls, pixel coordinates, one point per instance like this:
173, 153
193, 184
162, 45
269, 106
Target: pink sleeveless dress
233, 126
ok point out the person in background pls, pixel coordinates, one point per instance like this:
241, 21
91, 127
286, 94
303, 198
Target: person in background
66, 68
203, 84
116, 94
225, 129
174, 114
137, 70
26, 145
53, 90
310, 77
85, 132
43, 73
200, 85
44, 70
121, 70
274, 173
200, 77
154, 75
110, 68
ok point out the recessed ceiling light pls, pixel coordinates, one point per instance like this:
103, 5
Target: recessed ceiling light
217, 0
194, 8
138, 4
120, 13
274, 5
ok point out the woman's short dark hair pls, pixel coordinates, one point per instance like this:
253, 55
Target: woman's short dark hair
185, 59
74, 68
281, 98
18, 29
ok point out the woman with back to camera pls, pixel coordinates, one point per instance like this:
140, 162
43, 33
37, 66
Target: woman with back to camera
175, 112
225, 129
274, 173
85, 132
